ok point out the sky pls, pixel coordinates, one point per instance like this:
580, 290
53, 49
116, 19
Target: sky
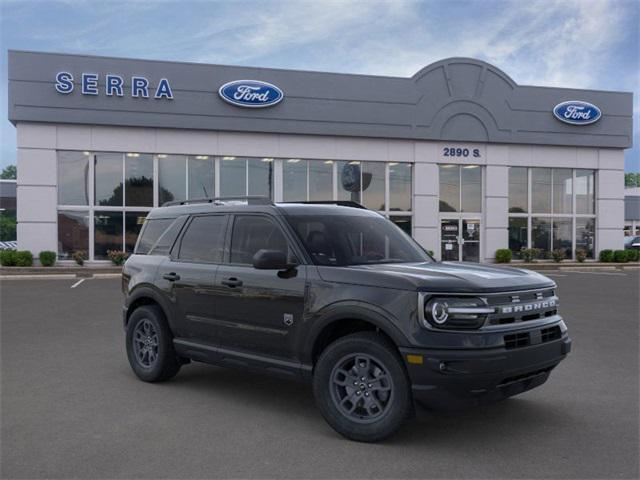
566, 43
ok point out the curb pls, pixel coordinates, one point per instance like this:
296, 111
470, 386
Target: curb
59, 276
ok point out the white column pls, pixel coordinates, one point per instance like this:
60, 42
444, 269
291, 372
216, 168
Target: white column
610, 200
426, 192
496, 210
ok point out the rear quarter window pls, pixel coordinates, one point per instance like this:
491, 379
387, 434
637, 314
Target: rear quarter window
158, 235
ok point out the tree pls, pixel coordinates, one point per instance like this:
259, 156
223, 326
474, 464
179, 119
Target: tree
9, 173
631, 180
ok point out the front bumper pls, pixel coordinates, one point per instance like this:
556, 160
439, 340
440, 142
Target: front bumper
456, 378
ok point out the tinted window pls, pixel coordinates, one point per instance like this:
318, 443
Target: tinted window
168, 238
340, 240
151, 233
204, 239
253, 233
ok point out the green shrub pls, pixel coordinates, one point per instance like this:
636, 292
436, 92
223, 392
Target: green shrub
620, 256
430, 252
581, 254
117, 257
633, 255
558, 255
7, 258
24, 258
47, 258
528, 254
79, 256
503, 255
606, 256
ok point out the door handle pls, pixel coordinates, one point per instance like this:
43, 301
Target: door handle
172, 277
232, 282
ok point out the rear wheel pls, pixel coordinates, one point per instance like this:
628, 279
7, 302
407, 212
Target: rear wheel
150, 345
361, 387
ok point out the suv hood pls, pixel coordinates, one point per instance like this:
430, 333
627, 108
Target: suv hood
452, 277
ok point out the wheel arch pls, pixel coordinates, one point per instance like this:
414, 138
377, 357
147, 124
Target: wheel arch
145, 295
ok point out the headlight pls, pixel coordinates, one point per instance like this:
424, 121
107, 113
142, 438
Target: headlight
455, 313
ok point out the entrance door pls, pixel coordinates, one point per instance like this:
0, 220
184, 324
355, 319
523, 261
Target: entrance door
460, 239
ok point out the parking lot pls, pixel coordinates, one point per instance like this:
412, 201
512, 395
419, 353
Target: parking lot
71, 407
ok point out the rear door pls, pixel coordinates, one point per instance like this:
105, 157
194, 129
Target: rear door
189, 275
258, 311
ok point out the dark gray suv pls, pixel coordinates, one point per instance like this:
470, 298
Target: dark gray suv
338, 296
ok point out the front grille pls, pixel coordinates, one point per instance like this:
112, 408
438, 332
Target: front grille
551, 333
522, 306
524, 339
517, 340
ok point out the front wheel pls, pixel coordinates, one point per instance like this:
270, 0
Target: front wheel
150, 345
361, 387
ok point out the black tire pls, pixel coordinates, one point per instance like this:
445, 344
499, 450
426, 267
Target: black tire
388, 402
158, 361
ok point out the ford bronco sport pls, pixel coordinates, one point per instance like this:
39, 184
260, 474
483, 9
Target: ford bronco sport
338, 296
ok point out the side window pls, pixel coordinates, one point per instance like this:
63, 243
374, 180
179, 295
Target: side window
168, 238
204, 239
151, 232
252, 233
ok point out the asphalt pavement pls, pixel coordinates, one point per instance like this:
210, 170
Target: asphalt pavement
71, 407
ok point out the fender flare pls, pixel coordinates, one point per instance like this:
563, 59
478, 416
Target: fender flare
148, 291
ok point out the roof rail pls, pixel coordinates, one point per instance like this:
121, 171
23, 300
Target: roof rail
341, 203
251, 200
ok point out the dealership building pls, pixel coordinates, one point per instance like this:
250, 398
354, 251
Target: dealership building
458, 155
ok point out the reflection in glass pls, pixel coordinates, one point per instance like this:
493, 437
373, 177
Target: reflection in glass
541, 235
349, 179
541, 190
562, 231
171, 177
133, 222
373, 185
201, 175
108, 179
518, 190
471, 188
260, 176
403, 222
562, 190
585, 196
73, 178
320, 180
449, 188
449, 235
585, 235
108, 233
138, 169
400, 186
73, 233
233, 177
517, 235
294, 180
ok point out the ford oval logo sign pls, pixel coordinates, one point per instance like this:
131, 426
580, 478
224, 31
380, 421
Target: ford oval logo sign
577, 112
250, 93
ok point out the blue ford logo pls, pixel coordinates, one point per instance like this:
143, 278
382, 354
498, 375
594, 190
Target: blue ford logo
250, 93
576, 112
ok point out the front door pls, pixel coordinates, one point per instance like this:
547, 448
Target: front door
257, 311
460, 239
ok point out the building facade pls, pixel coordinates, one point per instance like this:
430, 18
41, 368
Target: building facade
458, 155
632, 211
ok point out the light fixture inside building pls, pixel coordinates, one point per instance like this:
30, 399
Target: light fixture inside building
470, 166
329, 162
133, 155
162, 155
354, 163
393, 164
293, 160
85, 153
267, 159
202, 157
228, 158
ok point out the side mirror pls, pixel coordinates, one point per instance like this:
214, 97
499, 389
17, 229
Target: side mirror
270, 260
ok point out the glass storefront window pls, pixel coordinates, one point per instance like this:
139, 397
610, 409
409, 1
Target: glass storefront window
133, 222
320, 180
73, 178
138, 187
107, 233
449, 188
562, 190
400, 176
585, 192
294, 180
373, 189
349, 181
585, 235
562, 235
517, 235
108, 179
233, 176
73, 233
201, 176
171, 178
260, 176
518, 190
541, 190
471, 192
404, 222
541, 235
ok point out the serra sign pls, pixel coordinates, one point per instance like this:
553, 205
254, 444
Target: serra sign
113, 85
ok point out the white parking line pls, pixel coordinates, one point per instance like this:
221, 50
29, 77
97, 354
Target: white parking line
78, 283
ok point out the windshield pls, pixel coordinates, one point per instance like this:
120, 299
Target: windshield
341, 240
